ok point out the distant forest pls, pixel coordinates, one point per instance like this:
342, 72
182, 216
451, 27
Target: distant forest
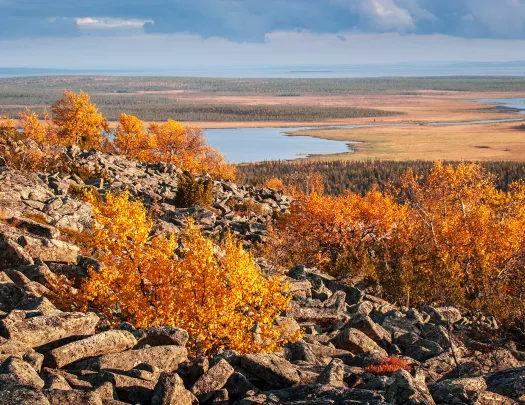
360, 177
157, 98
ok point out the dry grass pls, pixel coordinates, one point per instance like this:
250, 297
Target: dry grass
482, 142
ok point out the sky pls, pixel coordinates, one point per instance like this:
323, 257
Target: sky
170, 34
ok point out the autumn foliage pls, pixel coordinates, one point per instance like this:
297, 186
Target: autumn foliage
388, 366
76, 120
453, 239
216, 293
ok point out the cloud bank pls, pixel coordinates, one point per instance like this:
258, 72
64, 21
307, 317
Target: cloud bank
253, 20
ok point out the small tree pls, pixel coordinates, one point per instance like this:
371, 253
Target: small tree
132, 139
186, 148
218, 295
79, 121
34, 129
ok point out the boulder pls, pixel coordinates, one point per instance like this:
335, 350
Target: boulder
17, 373
275, 371
213, 379
12, 254
41, 330
333, 374
238, 385
72, 397
166, 358
22, 396
356, 342
112, 341
510, 383
374, 331
406, 389
170, 390
164, 336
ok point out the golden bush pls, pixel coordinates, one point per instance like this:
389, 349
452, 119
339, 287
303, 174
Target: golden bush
217, 294
78, 120
454, 239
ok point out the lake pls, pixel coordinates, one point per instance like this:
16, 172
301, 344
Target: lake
241, 145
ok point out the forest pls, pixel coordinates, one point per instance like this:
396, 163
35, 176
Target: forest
361, 176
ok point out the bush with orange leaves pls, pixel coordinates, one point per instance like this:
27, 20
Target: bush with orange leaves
336, 233
217, 294
186, 148
453, 240
388, 366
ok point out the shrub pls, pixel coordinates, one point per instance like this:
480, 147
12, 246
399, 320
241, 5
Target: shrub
218, 295
453, 239
388, 366
193, 191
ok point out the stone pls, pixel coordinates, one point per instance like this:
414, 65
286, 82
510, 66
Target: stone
36, 228
213, 379
55, 382
238, 386
170, 390
72, 397
405, 389
41, 330
164, 336
134, 390
12, 254
112, 341
10, 295
490, 398
219, 397
272, 369
510, 382
460, 389
374, 331
191, 371
22, 396
17, 373
356, 342
166, 358
333, 374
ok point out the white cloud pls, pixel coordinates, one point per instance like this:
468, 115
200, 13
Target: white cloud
386, 15
106, 23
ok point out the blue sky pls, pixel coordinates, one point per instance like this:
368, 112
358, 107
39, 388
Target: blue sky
173, 33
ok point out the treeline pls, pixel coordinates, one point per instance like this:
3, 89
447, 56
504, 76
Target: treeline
155, 109
275, 86
360, 177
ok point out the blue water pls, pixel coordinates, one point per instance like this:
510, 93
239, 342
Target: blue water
240, 145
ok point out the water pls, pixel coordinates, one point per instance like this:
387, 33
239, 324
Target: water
241, 145
514, 103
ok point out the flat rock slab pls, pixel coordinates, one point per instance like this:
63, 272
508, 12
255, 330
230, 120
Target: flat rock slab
109, 342
72, 397
166, 358
357, 342
22, 396
274, 370
41, 330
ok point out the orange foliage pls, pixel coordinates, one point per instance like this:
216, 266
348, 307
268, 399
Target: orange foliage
132, 139
274, 183
218, 295
454, 239
186, 148
78, 120
388, 366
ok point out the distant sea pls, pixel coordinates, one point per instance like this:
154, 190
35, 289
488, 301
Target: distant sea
516, 68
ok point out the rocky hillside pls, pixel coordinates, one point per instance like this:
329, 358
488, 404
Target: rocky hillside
350, 335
